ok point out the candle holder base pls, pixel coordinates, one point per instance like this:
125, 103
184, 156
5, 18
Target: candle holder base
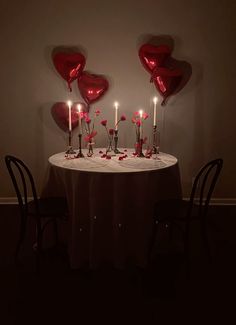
79, 155
70, 151
117, 151
140, 155
155, 150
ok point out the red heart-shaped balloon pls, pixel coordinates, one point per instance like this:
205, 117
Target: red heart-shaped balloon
69, 65
60, 114
92, 87
153, 56
167, 81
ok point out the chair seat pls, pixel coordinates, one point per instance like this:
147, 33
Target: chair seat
54, 207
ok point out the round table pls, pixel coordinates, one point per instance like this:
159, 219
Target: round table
111, 203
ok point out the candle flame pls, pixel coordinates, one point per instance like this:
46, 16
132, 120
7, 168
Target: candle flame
79, 107
116, 104
141, 113
155, 100
69, 103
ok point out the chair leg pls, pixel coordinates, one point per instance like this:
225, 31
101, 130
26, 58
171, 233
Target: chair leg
38, 249
55, 231
206, 241
186, 251
21, 237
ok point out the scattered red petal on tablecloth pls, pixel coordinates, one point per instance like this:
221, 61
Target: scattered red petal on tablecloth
108, 157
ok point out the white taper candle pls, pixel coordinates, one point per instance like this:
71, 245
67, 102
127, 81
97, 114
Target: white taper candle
80, 127
155, 100
116, 115
69, 112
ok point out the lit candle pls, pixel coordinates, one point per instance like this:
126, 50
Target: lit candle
116, 115
80, 128
155, 100
141, 128
69, 106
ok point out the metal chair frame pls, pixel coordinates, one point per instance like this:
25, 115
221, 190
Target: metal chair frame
16, 166
210, 171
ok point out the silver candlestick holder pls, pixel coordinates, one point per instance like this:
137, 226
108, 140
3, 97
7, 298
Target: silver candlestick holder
70, 150
155, 146
80, 153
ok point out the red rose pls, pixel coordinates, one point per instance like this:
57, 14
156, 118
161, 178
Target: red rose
111, 131
122, 118
104, 122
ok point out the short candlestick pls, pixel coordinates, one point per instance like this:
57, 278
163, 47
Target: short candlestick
70, 150
80, 154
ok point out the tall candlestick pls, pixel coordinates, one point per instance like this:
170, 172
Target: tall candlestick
141, 128
116, 115
155, 100
80, 127
69, 106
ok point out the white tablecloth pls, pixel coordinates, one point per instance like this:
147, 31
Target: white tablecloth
111, 204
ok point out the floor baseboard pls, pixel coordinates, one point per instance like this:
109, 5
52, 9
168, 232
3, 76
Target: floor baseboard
214, 201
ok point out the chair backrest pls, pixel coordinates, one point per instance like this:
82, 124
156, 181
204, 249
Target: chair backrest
23, 182
204, 184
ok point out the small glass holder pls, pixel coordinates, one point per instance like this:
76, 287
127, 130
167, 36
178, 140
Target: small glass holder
90, 148
80, 153
70, 150
155, 147
140, 148
110, 148
116, 150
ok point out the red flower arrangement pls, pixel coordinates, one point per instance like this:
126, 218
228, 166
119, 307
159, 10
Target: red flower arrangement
111, 132
89, 128
137, 120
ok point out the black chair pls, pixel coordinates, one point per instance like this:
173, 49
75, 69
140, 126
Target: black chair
44, 210
178, 214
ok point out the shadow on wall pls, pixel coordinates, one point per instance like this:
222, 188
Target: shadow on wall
199, 156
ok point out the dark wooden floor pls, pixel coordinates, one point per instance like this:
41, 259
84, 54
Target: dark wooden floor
107, 295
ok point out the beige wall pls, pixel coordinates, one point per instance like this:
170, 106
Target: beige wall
199, 121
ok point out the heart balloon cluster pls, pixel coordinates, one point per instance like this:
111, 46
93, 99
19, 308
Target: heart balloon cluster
168, 74
70, 66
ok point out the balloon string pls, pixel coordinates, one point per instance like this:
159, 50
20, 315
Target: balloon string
69, 86
163, 102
